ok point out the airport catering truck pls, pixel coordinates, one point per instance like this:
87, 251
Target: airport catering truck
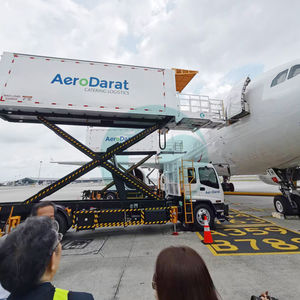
51, 91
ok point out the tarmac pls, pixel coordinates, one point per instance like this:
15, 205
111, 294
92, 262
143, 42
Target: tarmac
118, 263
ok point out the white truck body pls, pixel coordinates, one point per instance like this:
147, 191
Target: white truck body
85, 86
99, 139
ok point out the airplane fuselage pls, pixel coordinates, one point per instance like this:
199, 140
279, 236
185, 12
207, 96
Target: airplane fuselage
266, 138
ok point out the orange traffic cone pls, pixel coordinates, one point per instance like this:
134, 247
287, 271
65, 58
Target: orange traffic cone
207, 234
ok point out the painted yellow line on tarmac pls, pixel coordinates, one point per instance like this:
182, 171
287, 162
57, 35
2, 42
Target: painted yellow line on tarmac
252, 194
253, 236
245, 225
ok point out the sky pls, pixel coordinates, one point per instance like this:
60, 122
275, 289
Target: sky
225, 40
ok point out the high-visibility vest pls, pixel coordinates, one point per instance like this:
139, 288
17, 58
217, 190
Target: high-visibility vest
60, 294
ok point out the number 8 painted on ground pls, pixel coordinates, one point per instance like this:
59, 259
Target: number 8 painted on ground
280, 245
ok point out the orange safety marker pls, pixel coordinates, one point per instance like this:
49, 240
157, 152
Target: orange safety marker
207, 234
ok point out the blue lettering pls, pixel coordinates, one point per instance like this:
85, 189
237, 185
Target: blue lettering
103, 84
125, 85
57, 78
68, 80
91, 82
110, 84
97, 81
118, 85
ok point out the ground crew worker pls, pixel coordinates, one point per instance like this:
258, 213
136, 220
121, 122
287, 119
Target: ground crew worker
29, 259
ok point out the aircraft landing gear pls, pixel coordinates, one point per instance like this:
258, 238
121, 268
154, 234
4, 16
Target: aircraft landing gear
289, 202
227, 186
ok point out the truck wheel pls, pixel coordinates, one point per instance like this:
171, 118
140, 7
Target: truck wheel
62, 223
199, 210
282, 205
110, 196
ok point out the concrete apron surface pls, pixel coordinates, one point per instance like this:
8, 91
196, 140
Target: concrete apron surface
118, 263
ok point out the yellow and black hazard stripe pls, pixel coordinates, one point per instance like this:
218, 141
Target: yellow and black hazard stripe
84, 227
63, 182
118, 224
156, 208
74, 221
157, 222
98, 223
143, 217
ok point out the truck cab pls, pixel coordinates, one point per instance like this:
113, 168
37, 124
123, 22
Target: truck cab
204, 182
199, 189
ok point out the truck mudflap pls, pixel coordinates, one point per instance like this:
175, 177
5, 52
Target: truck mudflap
222, 211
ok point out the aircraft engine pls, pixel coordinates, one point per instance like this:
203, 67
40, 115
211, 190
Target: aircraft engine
267, 179
139, 174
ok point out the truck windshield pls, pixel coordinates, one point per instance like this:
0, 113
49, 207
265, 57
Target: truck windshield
208, 177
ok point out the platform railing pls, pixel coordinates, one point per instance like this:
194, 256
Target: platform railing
200, 103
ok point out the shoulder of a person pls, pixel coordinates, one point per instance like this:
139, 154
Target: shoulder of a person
80, 296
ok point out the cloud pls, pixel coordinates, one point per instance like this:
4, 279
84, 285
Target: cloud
224, 40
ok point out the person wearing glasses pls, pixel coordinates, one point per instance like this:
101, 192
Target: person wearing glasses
180, 273
29, 259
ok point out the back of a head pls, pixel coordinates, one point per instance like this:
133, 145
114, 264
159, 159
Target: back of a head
25, 254
182, 274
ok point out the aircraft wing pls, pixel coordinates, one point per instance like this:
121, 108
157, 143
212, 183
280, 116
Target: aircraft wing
154, 165
70, 163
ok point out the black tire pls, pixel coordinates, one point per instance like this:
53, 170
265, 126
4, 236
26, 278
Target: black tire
227, 187
198, 211
62, 223
224, 186
110, 196
283, 206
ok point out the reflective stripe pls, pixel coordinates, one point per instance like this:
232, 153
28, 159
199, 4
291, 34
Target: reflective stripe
60, 294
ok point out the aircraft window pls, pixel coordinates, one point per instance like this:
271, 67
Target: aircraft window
208, 177
279, 78
295, 70
191, 175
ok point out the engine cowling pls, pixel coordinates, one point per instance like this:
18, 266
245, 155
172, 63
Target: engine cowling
267, 179
139, 174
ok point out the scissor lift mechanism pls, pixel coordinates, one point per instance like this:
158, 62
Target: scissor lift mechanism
92, 214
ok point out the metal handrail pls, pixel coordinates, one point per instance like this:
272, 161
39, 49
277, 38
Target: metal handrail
201, 103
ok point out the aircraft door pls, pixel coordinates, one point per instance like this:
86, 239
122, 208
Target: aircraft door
236, 104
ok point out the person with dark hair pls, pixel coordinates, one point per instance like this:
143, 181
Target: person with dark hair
29, 259
44, 208
180, 273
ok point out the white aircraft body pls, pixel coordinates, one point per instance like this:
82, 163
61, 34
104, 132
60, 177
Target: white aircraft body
268, 137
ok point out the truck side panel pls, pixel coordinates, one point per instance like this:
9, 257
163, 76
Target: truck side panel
59, 85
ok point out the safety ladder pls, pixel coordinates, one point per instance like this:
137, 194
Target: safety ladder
186, 189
